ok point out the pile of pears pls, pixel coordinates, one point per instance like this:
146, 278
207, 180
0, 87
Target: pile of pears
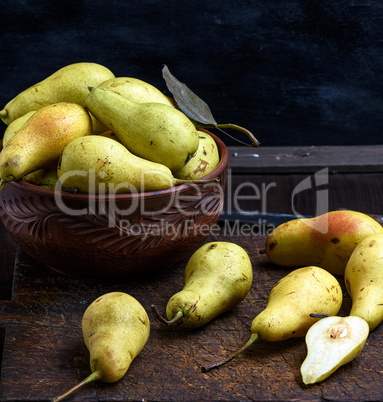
306, 301
84, 129
347, 244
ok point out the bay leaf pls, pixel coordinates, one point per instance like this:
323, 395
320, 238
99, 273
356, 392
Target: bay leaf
198, 110
188, 102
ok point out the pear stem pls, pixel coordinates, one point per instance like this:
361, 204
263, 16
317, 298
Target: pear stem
96, 375
254, 141
253, 338
161, 319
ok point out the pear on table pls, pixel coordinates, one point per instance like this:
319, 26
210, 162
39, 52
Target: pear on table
115, 327
326, 241
217, 277
331, 343
363, 277
291, 308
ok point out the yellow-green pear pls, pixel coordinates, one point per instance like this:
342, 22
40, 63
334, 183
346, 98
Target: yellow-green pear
15, 126
68, 84
115, 327
363, 277
204, 161
110, 134
98, 127
98, 164
292, 308
137, 90
217, 277
326, 241
154, 131
42, 138
331, 343
44, 177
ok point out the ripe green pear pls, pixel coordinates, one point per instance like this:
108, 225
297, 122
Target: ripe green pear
115, 327
154, 131
293, 304
42, 138
137, 90
98, 164
44, 177
110, 134
331, 343
204, 161
68, 84
217, 277
15, 126
363, 277
326, 241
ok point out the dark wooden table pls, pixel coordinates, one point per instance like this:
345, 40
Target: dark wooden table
43, 353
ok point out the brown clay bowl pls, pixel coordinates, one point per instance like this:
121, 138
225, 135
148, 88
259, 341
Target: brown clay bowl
111, 236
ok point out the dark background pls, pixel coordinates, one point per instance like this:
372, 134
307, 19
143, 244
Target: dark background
294, 72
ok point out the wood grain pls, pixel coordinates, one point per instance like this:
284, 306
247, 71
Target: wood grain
7, 261
45, 355
306, 159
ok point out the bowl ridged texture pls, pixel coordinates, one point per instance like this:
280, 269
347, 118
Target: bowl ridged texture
101, 236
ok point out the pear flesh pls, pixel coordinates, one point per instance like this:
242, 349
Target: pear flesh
291, 308
326, 241
363, 277
153, 131
98, 164
42, 138
68, 84
217, 277
115, 327
331, 343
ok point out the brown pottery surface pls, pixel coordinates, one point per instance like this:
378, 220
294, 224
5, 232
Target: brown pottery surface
109, 236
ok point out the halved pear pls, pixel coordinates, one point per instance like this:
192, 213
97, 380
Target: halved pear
331, 343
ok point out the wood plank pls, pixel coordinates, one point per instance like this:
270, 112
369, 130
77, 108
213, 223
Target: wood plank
45, 355
279, 193
7, 262
298, 159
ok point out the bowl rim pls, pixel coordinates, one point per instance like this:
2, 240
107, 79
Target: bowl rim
223, 163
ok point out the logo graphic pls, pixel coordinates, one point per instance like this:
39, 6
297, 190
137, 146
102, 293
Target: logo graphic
318, 183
